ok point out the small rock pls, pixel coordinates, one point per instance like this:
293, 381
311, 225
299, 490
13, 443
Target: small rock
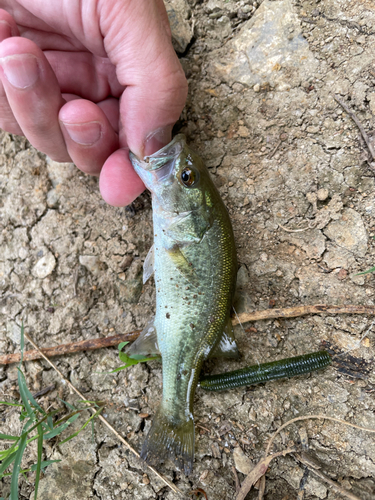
256, 87
91, 262
349, 232
44, 266
241, 461
322, 194
178, 14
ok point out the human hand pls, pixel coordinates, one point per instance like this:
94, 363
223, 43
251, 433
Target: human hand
88, 80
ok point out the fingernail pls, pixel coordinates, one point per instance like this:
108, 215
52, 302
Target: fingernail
85, 134
5, 30
157, 140
21, 70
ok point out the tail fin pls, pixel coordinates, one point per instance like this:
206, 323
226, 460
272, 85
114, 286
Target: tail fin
169, 439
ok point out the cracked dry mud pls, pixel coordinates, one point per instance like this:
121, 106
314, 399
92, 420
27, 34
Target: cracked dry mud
284, 156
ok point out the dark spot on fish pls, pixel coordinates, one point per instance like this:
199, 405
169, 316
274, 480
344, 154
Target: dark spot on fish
176, 286
192, 325
195, 296
199, 293
212, 319
167, 315
188, 303
187, 288
184, 372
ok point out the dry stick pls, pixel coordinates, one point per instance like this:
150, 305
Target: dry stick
261, 468
91, 344
322, 476
310, 417
83, 345
359, 125
294, 312
105, 422
236, 480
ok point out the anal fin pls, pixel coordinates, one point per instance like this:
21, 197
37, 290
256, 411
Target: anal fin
227, 347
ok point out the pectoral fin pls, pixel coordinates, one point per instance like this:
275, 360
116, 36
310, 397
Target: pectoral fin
146, 344
183, 266
227, 347
148, 266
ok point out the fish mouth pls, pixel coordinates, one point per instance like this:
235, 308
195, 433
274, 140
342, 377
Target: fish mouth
159, 159
158, 168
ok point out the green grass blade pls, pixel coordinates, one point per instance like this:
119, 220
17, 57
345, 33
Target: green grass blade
22, 343
39, 460
17, 467
43, 464
28, 394
84, 425
6, 463
10, 404
71, 407
23, 392
58, 430
367, 272
9, 437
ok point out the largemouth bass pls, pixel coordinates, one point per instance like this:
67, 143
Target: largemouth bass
195, 266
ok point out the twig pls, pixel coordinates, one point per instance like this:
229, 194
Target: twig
269, 157
104, 421
236, 480
322, 476
294, 312
83, 345
359, 125
91, 344
259, 470
308, 417
262, 487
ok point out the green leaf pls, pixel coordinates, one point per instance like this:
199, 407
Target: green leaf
130, 360
39, 460
122, 345
366, 272
17, 467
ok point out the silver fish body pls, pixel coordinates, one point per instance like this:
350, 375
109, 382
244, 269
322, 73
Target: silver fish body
194, 262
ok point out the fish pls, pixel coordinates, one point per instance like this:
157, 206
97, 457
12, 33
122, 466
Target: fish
194, 263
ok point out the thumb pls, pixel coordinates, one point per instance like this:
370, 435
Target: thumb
138, 42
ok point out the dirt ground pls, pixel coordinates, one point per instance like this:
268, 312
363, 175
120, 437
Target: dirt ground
296, 176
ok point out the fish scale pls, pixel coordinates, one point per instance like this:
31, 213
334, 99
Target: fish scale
195, 270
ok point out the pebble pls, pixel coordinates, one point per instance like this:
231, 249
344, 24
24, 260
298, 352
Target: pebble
44, 266
241, 461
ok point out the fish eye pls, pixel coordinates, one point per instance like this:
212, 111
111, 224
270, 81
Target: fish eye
189, 177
